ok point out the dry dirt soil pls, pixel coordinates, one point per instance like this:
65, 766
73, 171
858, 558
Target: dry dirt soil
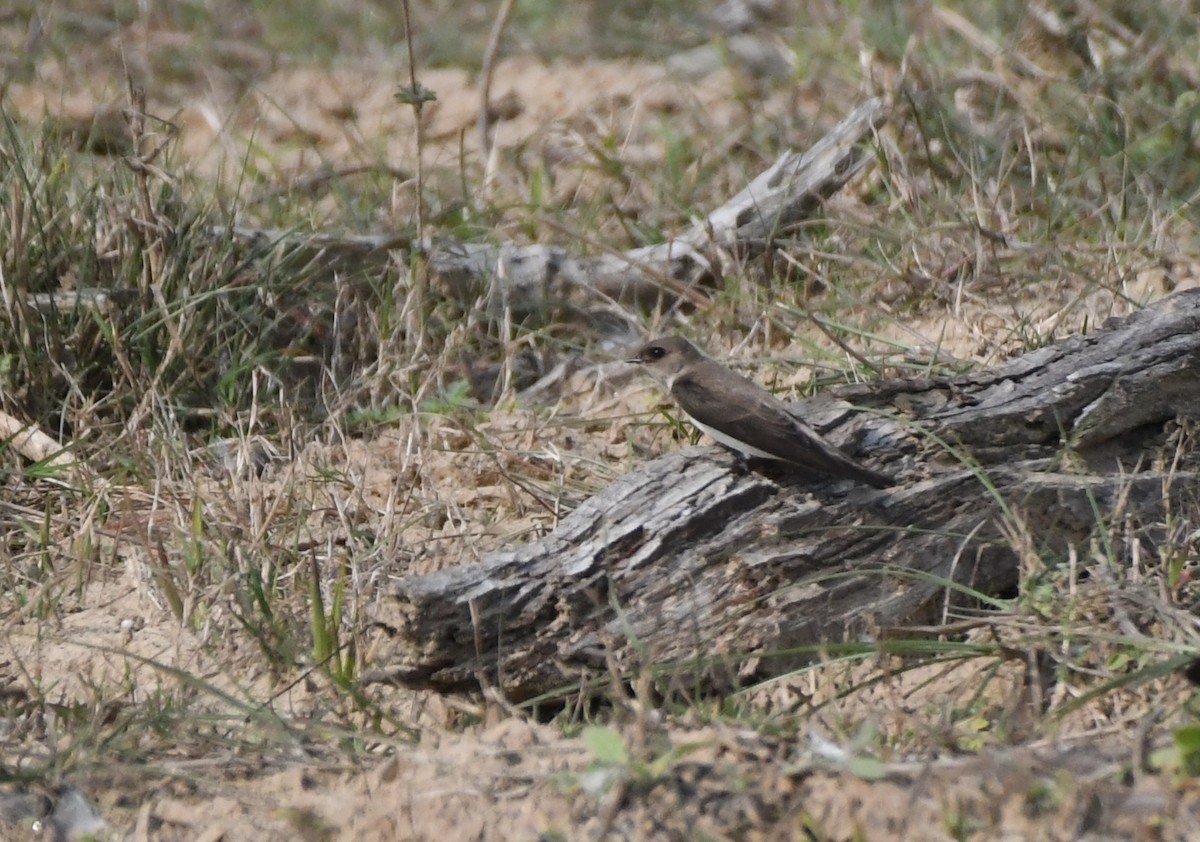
472, 770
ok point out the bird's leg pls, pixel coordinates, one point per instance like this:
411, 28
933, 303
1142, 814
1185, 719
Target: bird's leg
741, 462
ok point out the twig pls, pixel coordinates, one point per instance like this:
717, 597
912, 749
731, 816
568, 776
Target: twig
416, 95
489, 70
32, 443
418, 103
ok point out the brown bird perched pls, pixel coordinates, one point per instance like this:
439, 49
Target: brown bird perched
742, 415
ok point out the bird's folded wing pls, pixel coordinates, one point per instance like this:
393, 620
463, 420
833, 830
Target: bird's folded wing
763, 422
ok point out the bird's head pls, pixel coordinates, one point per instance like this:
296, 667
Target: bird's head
666, 357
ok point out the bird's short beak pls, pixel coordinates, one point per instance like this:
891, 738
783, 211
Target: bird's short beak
635, 361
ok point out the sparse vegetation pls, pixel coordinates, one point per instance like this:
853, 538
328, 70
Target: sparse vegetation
265, 430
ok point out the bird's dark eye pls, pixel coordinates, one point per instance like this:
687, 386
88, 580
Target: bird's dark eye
657, 352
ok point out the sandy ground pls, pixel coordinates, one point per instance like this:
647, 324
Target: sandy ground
505, 778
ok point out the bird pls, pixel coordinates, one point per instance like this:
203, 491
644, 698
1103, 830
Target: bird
743, 416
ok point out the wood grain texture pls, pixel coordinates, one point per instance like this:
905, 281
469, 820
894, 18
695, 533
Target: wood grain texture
693, 561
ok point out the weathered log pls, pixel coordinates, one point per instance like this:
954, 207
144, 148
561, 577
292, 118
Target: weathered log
694, 561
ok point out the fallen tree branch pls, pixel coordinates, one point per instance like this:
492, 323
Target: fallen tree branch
538, 276
788, 191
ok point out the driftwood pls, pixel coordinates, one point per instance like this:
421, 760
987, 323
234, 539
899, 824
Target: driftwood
531, 278
692, 559
535, 276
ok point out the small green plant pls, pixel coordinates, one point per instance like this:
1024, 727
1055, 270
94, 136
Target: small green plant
456, 396
330, 652
1182, 757
612, 762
